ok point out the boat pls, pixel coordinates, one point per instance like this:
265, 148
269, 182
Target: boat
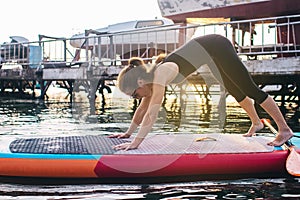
78, 40
220, 11
131, 38
161, 157
180, 11
17, 49
19, 53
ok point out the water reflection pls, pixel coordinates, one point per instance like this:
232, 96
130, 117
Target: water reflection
189, 112
189, 109
234, 189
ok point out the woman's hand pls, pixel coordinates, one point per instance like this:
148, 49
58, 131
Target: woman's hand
120, 135
129, 145
125, 146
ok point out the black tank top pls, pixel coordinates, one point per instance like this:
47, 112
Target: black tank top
192, 55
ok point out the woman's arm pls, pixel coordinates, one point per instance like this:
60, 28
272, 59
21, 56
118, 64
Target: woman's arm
138, 115
150, 106
136, 120
148, 119
151, 114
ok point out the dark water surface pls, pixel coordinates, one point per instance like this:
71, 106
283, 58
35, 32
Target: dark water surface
56, 117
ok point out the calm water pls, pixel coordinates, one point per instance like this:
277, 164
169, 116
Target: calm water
56, 116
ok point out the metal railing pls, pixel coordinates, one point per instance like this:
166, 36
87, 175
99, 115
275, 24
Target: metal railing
264, 38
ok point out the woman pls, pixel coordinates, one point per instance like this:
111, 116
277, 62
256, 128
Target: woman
218, 54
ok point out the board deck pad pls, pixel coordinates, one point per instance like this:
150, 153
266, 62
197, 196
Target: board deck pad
66, 145
153, 144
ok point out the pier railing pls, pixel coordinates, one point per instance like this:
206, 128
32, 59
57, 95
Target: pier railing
255, 39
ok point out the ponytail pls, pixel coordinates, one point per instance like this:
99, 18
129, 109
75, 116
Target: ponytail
136, 61
160, 58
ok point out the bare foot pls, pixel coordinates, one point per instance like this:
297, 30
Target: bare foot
253, 129
281, 138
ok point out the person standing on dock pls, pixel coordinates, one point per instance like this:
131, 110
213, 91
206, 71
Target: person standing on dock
219, 55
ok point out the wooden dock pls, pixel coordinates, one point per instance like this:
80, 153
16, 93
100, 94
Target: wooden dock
284, 72
30, 67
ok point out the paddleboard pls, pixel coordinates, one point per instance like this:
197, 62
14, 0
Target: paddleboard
159, 156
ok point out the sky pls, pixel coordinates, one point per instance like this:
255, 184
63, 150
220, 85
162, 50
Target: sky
64, 18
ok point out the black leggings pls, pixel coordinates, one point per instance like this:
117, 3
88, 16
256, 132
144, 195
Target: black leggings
218, 53
235, 76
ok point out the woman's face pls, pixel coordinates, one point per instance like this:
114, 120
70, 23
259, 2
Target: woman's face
143, 91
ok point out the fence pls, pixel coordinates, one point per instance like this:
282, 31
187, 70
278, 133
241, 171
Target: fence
264, 38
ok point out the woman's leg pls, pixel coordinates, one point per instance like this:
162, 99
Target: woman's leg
248, 106
238, 82
235, 77
246, 103
235, 89
249, 88
284, 131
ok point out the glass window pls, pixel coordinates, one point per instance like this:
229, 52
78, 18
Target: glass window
143, 24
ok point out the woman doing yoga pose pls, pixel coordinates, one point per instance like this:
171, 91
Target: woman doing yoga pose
218, 54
